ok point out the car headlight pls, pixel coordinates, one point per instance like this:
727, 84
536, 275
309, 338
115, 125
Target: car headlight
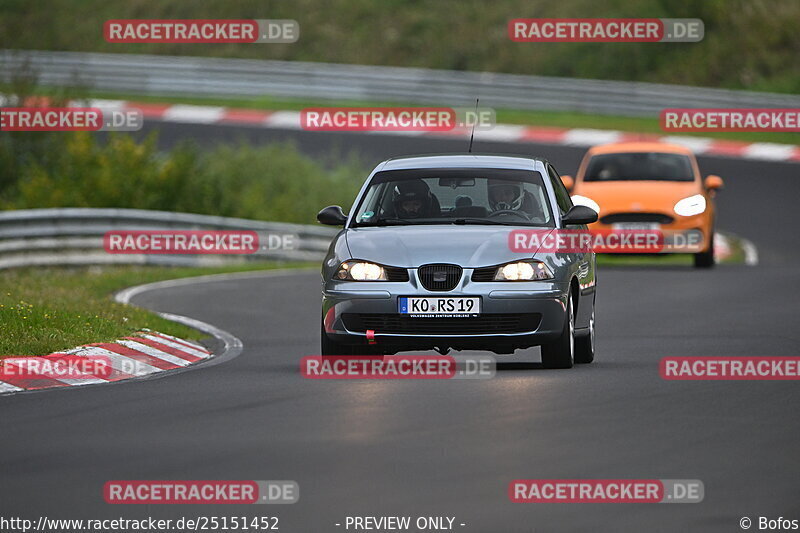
693, 205
360, 271
523, 271
588, 202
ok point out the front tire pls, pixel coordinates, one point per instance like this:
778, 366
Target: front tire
561, 353
584, 346
706, 259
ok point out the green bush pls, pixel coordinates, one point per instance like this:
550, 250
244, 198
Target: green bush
273, 182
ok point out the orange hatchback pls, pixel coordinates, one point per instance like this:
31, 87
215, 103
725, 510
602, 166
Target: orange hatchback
649, 186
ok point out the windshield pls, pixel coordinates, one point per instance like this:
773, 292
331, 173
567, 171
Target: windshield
455, 196
639, 166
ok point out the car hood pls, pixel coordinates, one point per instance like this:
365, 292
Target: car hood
633, 196
412, 246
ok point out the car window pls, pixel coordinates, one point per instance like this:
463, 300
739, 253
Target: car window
639, 166
562, 195
443, 196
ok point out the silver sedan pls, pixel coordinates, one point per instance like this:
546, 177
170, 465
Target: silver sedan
424, 262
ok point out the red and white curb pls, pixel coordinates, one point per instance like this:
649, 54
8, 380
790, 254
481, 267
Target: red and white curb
197, 114
167, 355
723, 248
145, 353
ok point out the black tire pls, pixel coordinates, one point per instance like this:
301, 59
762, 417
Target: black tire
706, 259
584, 345
561, 353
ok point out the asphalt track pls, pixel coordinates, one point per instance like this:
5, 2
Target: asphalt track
417, 448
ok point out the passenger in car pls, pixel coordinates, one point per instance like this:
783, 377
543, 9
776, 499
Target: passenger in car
414, 199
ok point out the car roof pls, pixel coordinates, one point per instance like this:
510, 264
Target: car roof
639, 146
520, 162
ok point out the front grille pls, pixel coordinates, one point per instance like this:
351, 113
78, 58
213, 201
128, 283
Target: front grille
484, 274
439, 277
617, 218
484, 324
396, 273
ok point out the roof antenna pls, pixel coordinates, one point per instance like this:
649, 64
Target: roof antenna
472, 135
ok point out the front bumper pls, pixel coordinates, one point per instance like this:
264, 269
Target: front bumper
513, 315
682, 235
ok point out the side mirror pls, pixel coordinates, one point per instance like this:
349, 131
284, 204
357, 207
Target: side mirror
568, 182
579, 214
332, 216
713, 182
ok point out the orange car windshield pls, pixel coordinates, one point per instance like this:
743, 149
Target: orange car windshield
639, 166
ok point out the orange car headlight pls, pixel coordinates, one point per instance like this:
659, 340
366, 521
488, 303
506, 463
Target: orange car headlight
693, 205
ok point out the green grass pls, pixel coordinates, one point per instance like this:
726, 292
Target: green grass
45, 310
556, 119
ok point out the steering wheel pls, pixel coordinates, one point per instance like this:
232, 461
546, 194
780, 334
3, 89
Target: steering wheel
500, 212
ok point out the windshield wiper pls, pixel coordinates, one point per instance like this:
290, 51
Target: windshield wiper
484, 221
385, 222
458, 221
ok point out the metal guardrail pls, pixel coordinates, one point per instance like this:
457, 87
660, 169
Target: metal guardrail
214, 77
74, 236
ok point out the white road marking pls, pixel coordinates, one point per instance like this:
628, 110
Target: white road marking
139, 347
501, 133
181, 347
589, 137
284, 119
770, 151
120, 362
750, 253
8, 387
695, 144
194, 114
196, 345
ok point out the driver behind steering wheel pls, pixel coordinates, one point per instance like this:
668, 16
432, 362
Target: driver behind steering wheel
413, 199
506, 195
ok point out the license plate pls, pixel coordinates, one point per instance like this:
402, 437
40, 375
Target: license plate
439, 307
636, 226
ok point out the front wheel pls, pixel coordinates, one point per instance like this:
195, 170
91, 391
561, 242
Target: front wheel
561, 353
584, 346
706, 259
